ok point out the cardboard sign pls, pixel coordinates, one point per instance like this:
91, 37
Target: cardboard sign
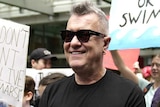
37, 75
129, 56
134, 24
14, 40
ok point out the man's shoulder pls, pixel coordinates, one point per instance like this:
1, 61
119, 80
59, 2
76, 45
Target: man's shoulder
120, 80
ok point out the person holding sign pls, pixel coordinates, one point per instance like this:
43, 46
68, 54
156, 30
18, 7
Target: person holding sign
14, 38
148, 87
85, 42
41, 58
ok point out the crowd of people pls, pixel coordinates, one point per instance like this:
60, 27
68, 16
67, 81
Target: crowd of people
148, 87
42, 58
85, 40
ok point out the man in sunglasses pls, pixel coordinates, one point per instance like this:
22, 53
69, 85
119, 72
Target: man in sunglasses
85, 41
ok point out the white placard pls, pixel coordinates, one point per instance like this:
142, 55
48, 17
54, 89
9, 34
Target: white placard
14, 40
134, 24
37, 75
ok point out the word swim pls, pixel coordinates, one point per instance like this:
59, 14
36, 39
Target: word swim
143, 17
10, 90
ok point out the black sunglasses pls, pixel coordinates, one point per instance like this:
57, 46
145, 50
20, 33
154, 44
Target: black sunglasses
82, 35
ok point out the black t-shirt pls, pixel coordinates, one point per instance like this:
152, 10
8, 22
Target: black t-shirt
110, 91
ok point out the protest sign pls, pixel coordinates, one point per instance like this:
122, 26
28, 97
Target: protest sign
14, 40
129, 56
134, 24
37, 75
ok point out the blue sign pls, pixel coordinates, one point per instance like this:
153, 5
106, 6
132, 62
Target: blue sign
135, 24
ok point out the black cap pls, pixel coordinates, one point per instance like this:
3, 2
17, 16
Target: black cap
42, 53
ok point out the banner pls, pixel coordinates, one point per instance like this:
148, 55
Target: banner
134, 24
14, 40
37, 75
129, 56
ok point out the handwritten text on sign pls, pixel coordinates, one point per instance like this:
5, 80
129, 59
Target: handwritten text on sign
135, 24
13, 57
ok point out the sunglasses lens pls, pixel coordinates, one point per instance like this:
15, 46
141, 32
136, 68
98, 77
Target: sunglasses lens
67, 36
83, 35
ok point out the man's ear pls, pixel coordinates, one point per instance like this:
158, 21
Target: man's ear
106, 43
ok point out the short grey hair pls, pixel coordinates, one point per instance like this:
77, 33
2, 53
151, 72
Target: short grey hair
87, 7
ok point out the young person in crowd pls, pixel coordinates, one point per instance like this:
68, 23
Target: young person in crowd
41, 58
45, 81
28, 94
28, 91
53, 77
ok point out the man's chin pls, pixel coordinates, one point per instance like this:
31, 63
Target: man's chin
76, 65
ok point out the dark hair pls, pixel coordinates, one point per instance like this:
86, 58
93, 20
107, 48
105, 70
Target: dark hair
29, 86
53, 77
88, 8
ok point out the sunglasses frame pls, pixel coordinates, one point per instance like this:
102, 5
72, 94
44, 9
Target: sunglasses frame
82, 35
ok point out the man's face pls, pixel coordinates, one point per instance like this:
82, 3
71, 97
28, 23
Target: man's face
84, 54
41, 64
155, 68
